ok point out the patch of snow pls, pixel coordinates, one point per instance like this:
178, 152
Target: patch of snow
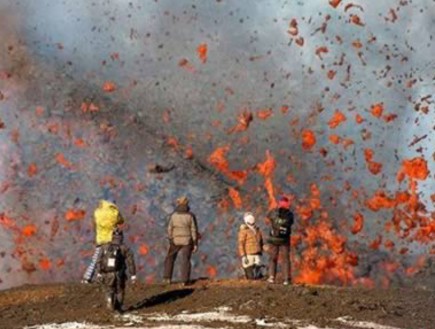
76, 325
268, 323
363, 324
310, 326
67, 325
131, 318
220, 314
176, 326
201, 317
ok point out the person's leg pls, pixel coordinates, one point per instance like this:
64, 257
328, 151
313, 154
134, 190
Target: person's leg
285, 262
186, 254
120, 292
251, 267
108, 281
109, 291
273, 260
89, 273
257, 267
169, 261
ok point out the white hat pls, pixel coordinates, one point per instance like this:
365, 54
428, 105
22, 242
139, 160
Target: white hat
249, 218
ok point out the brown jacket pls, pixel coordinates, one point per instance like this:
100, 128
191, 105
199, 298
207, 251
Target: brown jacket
182, 228
250, 242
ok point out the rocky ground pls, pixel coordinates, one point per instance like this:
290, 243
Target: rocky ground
218, 304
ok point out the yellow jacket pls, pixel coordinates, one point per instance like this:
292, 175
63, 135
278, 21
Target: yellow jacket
107, 217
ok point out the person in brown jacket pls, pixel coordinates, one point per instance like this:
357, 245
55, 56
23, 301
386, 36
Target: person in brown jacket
183, 239
250, 247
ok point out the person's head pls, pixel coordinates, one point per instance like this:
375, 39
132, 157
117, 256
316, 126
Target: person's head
118, 236
182, 201
108, 195
284, 202
249, 218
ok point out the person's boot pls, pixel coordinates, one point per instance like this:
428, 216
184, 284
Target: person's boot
110, 303
271, 279
120, 301
118, 307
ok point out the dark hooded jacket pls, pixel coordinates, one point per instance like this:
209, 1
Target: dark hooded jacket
126, 258
281, 221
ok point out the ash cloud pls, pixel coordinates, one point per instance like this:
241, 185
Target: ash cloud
63, 53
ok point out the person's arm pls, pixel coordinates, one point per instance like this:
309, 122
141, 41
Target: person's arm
291, 219
269, 217
194, 230
242, 242
94, 228
170, 229
131, 265
99, 263
261, 239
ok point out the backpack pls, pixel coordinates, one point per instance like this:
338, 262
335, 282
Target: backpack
280, 227
111, 259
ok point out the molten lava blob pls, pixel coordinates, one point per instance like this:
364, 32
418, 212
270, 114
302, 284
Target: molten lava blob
308, 139
202, 51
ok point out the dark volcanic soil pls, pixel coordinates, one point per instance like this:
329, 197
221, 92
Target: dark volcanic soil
404, 307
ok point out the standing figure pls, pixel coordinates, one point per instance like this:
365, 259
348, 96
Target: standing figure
183, 239
250, 247
113, 262
281, 220
106, 219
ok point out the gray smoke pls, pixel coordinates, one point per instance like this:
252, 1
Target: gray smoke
59, 55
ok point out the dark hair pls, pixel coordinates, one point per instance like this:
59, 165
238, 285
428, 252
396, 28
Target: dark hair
118, 236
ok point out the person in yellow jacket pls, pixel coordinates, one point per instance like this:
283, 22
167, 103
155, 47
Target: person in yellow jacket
106, 218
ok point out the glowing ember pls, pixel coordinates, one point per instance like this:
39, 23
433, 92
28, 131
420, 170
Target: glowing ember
414, 168
334, 3
337, 119
109, 86
358, 223
219, 161
235, 197
308, 139
377, 110
202, 51
75, 214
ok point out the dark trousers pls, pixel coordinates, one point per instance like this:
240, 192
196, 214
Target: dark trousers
185, 254
254, 272
114, 288
273, 260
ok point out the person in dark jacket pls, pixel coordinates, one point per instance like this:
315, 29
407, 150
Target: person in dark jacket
183, 239
281, 220
113, 262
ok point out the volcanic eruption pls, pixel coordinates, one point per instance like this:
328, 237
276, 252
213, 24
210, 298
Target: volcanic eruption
231, 103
